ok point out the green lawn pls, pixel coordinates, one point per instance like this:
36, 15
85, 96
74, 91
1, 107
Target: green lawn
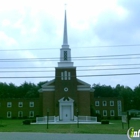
115, 128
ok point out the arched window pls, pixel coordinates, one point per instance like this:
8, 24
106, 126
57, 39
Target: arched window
104, 112
62, 76
20, 104
20, 114
31, 114
69, 76
65, 73
112, 113
9, 114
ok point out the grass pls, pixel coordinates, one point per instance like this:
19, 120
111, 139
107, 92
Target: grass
115, 128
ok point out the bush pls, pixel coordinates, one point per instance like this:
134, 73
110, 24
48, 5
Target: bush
33, 121
26, 122
104, 122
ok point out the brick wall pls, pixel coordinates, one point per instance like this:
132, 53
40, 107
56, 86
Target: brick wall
15, 108
84, 103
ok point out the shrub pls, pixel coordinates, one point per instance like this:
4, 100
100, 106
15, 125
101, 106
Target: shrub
33, 121
26, 122
104, 122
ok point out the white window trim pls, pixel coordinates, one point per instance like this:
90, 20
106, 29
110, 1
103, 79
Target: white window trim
105, 103
112, 102
62, 76
97, 103
9, 104
69, 76
10, 114
65, 75
111, 113
104, 111
30, 113
98, 111
20, 103
119, 104
31, 104
19, 113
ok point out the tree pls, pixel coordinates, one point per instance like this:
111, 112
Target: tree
136, 99
127, 94
103, 91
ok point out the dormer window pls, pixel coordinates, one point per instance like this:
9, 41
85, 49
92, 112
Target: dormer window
65, 55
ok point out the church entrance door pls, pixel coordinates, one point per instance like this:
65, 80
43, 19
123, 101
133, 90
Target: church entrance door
66, 113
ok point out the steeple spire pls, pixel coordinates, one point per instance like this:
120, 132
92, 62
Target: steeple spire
65, 51
65, 36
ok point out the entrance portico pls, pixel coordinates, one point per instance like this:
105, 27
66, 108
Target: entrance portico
66, 109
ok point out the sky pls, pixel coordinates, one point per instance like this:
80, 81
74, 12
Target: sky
30, 30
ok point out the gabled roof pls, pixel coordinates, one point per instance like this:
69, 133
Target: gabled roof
49, 86
80, 82
83, 86
50, 83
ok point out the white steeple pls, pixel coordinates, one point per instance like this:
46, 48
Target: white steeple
65, 36
65, 51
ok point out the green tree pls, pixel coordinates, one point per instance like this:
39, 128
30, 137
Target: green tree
136, 97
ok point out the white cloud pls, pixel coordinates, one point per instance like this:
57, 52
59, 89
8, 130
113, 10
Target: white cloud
39, 24
6, 40
6, 22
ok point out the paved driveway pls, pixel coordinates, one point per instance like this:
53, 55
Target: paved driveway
48, 136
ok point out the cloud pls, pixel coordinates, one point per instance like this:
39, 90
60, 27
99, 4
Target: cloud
7, 41
39, 24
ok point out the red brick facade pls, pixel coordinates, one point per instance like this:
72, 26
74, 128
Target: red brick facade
19, 108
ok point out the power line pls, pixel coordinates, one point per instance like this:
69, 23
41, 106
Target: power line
97, 57
134, 68
104, 65
32, 60
115, 74
57, 58
91, 47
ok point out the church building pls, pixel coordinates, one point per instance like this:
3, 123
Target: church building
65, 95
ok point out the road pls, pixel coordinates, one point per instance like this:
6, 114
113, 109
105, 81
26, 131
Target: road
51, 136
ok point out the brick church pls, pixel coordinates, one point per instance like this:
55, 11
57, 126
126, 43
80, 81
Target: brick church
66, 94
63, 96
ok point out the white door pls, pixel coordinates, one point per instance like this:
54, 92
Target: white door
66, 113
